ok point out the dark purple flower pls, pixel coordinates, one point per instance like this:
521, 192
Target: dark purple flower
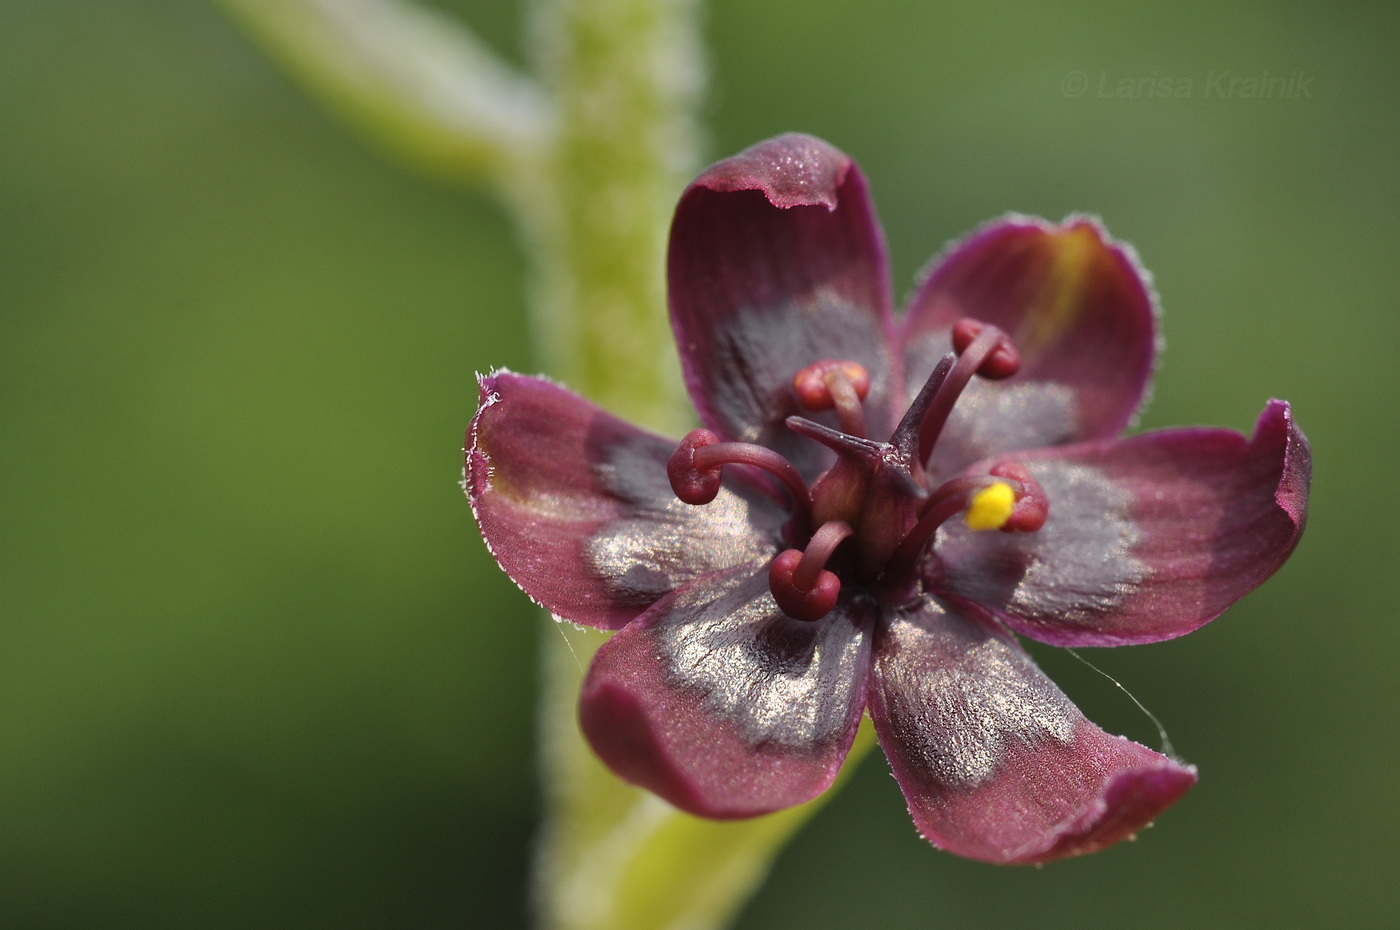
762, 608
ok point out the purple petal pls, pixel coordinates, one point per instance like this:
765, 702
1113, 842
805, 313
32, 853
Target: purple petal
1148, 537
724, 706
576, 507
1081, 311
776, 261
994, 761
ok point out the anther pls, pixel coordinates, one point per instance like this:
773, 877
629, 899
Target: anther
835, 383
692, 484
1002, 360
694, 470
814, 384
990, 507
1032, 507
801, 584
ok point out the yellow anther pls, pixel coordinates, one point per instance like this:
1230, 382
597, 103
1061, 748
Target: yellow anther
991, 507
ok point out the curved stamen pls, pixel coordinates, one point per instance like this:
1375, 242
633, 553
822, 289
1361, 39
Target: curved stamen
991, 502
960, 488
898, 581
839, 384
982, 349
819, 550
694, 470
801, 584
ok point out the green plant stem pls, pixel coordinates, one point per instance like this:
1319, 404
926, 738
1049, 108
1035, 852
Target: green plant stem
589, 158
616, 858
412, 81
624, 76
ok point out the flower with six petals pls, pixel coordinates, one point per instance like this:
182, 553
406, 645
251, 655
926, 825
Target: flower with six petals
874, 506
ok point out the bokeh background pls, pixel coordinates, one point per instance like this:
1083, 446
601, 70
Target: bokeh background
256, 670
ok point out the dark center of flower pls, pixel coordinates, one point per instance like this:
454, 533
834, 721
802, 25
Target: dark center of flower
870, 518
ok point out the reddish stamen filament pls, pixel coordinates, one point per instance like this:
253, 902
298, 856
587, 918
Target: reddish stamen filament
694, 471
877, 486
981, 349
799, 580
839, 384
949, 500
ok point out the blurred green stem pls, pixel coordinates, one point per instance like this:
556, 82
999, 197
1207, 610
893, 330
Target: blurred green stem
412, 80
589, 157
624, 76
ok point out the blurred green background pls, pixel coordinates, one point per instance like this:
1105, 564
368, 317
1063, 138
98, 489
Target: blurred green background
256, 670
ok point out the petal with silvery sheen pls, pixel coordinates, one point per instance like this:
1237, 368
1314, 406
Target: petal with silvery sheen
994, 761
721, 704
1080, 310
1148, 537
575, 505
776, 261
